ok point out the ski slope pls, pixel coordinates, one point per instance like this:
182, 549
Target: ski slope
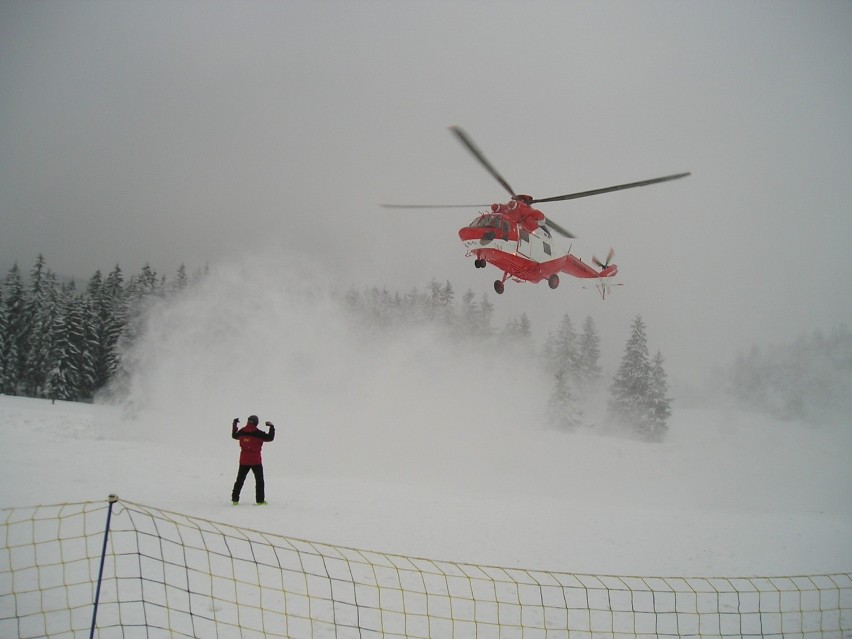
728, 494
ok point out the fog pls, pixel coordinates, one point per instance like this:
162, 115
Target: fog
168, 133
251, 340
260, 138
407, 442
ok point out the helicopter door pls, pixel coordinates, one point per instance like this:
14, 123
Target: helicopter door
524, 242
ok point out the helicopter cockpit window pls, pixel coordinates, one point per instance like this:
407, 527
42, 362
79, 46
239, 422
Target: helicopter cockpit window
486, 221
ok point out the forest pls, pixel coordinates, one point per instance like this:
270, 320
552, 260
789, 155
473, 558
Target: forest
63, 342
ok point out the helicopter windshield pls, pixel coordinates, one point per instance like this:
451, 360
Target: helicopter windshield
486, 221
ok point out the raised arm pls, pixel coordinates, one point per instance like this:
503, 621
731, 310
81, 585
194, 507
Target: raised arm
271, 435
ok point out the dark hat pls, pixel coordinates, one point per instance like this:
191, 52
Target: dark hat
253, 420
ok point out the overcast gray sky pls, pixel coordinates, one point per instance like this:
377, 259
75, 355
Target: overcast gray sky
186, 132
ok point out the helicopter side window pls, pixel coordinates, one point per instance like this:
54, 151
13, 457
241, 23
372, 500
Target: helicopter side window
525, 235
546, 248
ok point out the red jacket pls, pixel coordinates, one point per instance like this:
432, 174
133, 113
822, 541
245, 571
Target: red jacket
251, 441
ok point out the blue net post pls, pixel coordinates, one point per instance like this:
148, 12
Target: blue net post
112, 499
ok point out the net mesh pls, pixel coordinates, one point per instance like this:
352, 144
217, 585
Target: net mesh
171, 575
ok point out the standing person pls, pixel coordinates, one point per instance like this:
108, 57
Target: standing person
251, 441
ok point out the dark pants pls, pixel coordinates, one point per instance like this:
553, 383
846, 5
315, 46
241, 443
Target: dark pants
258, 482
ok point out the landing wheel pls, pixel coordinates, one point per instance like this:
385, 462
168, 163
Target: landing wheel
498, 286
553, 281
479, 263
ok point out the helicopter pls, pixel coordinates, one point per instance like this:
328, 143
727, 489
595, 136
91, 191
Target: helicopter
517, 238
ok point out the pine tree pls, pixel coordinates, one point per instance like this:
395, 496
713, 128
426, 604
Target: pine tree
440, 304
563, 410
525, 326
560, 351
659, 404
146, 283
467, 325
474, 318
38, 314
485, 316
518, 331
588, 355
116, 302
62, 379
182, 280
4, 337
17, 331
561, 359
97, 310
84, 343
630, 391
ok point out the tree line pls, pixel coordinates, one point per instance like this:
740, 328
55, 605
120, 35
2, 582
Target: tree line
638, 398
61, 342
809, 378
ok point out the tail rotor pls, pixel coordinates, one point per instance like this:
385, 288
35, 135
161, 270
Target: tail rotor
605, 264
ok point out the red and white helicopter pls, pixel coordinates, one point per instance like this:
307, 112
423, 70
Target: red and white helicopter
517, 238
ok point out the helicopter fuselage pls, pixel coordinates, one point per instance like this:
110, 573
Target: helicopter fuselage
513, 238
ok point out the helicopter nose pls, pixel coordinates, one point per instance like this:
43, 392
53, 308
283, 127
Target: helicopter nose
487, 237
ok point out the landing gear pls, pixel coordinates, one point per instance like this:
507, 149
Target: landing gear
553, 281
500, 285
479, 263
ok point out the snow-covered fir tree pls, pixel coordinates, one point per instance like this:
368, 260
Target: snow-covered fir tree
588, 355
182, 279
4, 336
17, 331
560, 350
660, 404
38, 311
63, 376
634, 393
518, 333
88, 344
117, 312
562, 359
484, 317
563, 408
468, 324
440, 303
97, 309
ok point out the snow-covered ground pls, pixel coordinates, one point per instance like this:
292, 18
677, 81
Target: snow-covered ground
402, 444
727, 494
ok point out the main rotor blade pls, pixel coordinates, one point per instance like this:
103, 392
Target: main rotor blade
558, 228
574, 196
461, 135
434, 206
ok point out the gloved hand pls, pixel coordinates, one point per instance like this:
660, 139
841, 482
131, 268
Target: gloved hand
270, 424
236, 422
